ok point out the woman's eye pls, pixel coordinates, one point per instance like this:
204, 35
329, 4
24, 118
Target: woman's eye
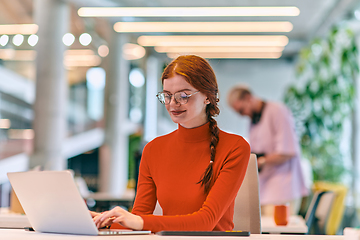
183, 95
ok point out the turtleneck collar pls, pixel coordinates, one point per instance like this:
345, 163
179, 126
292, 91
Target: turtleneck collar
197, 134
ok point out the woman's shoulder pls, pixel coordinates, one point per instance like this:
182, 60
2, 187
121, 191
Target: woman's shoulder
231, 138
233, 147
160, 140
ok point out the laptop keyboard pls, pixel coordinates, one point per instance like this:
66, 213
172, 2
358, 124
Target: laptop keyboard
122, 232
109, 232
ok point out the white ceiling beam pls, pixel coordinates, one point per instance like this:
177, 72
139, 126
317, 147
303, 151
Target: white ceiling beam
335, 14
93, 3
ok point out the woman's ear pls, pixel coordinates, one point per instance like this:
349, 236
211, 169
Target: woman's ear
207, 101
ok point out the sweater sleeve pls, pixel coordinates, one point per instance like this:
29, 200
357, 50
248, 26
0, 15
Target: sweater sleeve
145, 200
220, 197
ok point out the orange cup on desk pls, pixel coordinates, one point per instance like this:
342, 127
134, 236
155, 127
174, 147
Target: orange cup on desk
281, 214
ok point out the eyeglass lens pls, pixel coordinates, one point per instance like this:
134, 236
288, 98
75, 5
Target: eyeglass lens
180, 97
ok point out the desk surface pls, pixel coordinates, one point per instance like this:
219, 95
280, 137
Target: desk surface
296, 225
17, 234
12, 220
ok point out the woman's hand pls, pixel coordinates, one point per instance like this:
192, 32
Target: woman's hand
118, 215
95, 216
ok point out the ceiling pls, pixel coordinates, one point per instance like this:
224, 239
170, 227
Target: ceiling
316, 16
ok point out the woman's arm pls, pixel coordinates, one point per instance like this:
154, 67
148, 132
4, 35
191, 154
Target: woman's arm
285, 140
274, 158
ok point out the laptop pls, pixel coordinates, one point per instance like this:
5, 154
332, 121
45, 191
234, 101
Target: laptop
53, 204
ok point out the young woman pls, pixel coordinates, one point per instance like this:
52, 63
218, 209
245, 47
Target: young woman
194, 172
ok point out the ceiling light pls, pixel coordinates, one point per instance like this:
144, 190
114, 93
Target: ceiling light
85, 39
209, 55
79, 52
81, 58
17, 55
136, 78
33, 39
103, 50
4, 39
18, 39
133, 51
68, 39
12, 29
186, 11
203, 26
21, 133
217, 49
5, 123
214, 40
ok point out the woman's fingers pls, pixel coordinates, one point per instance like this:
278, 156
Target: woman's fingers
115, 212
94, 214
97, 220
118, 219
106, 218
118, 215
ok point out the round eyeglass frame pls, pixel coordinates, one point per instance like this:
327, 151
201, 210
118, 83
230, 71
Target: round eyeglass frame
163, 99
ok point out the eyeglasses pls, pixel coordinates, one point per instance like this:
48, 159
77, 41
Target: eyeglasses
179, 97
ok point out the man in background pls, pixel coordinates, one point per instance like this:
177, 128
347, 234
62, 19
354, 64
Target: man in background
273, 139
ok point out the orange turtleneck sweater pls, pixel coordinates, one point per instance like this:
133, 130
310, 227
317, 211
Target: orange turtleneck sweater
170, 169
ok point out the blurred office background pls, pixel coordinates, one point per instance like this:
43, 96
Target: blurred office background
78, 83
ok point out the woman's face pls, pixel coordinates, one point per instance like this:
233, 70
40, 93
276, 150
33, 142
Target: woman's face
189, 115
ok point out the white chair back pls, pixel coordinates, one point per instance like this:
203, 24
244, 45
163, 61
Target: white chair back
247, 203
158, 210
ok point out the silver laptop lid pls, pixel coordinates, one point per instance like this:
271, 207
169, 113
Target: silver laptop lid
52, 202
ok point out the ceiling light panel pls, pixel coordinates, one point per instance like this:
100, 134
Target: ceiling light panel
12, 29
214, 40
9, 54
203, 26
81, 58
187, 11
216, 49
275, 55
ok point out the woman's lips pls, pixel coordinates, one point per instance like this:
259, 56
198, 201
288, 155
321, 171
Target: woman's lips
177, 112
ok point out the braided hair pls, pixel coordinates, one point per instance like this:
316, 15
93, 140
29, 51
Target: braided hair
198, 72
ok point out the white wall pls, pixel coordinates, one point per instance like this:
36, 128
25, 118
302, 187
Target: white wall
267, 79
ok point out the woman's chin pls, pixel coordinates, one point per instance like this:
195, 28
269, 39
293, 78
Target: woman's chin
176, 119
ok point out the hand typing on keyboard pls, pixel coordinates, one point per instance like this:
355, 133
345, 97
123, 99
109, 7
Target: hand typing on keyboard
118, 215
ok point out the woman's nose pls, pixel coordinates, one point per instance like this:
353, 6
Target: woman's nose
173, 101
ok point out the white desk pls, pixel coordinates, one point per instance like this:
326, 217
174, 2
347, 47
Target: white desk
296, 225
17, 234
12, 220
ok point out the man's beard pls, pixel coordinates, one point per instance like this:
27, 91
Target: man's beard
256, 116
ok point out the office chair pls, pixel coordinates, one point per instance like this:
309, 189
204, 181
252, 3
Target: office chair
338, 205
158, 210
318, 212
247, 202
